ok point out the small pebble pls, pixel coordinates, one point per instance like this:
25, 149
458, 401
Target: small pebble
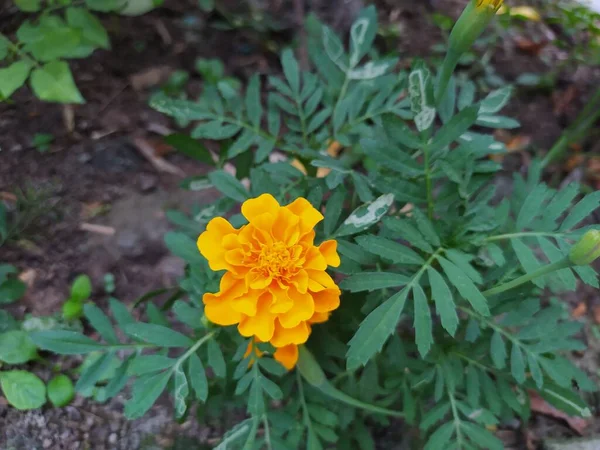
112, 439
47, 443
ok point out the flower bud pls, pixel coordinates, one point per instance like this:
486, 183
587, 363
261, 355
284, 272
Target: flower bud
587, 250
471, 23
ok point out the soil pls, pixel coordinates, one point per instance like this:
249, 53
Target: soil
93, 173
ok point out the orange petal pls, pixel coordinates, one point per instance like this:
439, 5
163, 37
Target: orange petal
319, 317
264, 203
286, 336
329, 251
286, 227
246, 303
235, 257
321, 277
315, 260
302, 309
287, 356
309, 216
210, 242
262, 325
281, 300
326, 300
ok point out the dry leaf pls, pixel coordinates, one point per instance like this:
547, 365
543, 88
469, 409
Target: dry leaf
526, 45
99, 229
28, 277
150, 77
579, 311
149, 150
539, 405
518, 143
597, 314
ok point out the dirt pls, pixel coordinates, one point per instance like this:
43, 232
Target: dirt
94, 174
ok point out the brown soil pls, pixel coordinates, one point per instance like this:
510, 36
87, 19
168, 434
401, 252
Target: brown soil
93, 165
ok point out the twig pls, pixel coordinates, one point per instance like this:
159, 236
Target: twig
157, 162
99, 229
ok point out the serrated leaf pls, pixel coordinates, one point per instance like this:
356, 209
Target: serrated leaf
65, 342
215, 359
291, 70
181, 391
157, 335
407, 232
465, 287
252, 99
495, 101
440, 438
482, 437
190, 147
374, 330
565, 400
444, 303
498, 350
426, 227
371, 281
517, 364
228, 185
144, 364
93, 373
333, 210
387, 249
399, 132
531, 206
473, 386
422, 322
146, 391
527, 259
365, 216
455, 128
581, 210
197, 376
100, 322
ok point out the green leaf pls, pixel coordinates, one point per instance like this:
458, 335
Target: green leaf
242, 144
365, 216
374, 330
532, 205
146, 391
517, 364
495, 101
11, 290
581, 210
188, 314
100, 322
16, 347
527, 259
566, 400
120, 313
197, 376
444, 303
420, 89
465, 287
119, 379
92, 30
144, 364
54, 83
466, 96
157, 335
228, 185
498, 350
535, 370
455, 128
65, 342
60, 390
181, 392
104, 5
426, 227
215, 359
333, 210
13, 77
399, 132
22, 389
253, 104
371, 281
81, 289
407, 232
190, 147
95, 372
473, 386
362, 34
422, 322
387, 249
291, 70
441, 437
183, 246
29, 5
498, 122
482, 437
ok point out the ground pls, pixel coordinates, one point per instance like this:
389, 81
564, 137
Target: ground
103, 203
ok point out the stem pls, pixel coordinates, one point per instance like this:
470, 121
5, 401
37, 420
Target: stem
445, 74
15, 48
562, 264
501, 237
459, 437
192, 349
267, 432
305, 415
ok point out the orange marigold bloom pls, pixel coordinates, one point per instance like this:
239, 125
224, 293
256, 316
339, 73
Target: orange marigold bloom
276, 284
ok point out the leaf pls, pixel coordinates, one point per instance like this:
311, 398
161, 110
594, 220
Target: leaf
387, 249
371, 281
581, 210
374, 330
11, 290
190, 147
54, 83
120, 313
23, 390
566, 400
473, 386
440, 438
215, 359
13, 77
60, 390
532, 205
444, 303
365, 216
228, 185
426, 227
145, 392
119, 379
65, 342
16, 347
399, 132
157, 335
420, 91
482, 437
197, 376
527, 259
422, 322
498, 122
291, 71
28, 5
144, 364
188, 314
253, 104
333, 210
455, 128
407, 232
91, 28
498, 350
94, 372
101, 323
465, 287
181, 391
517, 364
362, 34
81, 289
495, 101
183, 246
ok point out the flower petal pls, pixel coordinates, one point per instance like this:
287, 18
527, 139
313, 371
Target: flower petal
281, 300
264, 203
319, 317
321, 277
329, 251
262, 325
210, 242
315, 260
287, 356
286, 336
326, 300
309, 216
302, 309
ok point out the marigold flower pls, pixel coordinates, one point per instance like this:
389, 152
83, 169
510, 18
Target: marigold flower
275, 285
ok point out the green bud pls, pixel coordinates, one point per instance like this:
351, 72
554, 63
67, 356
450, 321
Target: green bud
587, 250
471, 23
72, 309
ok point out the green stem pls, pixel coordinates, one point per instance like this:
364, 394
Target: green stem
457, 425
502, 237
15, 48
545, 270
444, 76
192, 349
267, 432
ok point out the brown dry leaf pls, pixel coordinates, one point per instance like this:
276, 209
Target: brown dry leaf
539, 405
526, 45
594, 167
28, 277
518, 143
8, 197
93, 209
148, 149
150, 77
69, 117
579, 311
597, 314
573, 162
563, 99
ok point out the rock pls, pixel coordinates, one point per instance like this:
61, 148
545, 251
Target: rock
112, 439
130, 243
573, 444
47, 443
147, 182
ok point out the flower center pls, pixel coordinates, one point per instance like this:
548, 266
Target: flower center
277, 259
492, 4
